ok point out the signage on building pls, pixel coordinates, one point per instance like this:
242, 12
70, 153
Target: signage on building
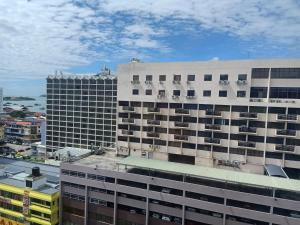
4, 221
25, 203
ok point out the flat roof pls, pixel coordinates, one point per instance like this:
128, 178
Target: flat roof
213, 173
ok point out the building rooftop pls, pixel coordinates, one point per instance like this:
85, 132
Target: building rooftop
213, 173
14, 173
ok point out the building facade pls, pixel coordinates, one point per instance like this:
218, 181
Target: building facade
100, 190
240, 114
23, 131
28, 196
81, 111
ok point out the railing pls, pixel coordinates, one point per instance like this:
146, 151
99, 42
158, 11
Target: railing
181, 137
241, 82
223, 82
210, 112
127, 120
153, 110
182, 111
153, 122
153, 134
212, 140
286, 148
286, 132
135, 82
127, 132
248, 115
286, 117
128, 108
181, 124
246, 144
212, 127
246, 129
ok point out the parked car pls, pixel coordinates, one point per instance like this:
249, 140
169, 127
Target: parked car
166, 218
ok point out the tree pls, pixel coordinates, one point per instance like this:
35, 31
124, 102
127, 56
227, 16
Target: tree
18, 114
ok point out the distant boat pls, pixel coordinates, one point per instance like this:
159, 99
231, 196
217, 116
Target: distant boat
42, 108
37, 104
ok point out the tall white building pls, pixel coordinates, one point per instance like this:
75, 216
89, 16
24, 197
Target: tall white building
1, 100
235, 114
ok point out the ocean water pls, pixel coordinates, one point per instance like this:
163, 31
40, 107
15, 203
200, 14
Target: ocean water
41, 101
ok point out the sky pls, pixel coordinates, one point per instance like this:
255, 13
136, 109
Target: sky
38, 37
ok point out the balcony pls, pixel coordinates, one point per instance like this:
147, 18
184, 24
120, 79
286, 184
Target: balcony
248, 115
181, 137
127, 120
284, 117
241, 82
153, 134
212, 140
286, 133
135, 82
153, 122
246, 144
181, 124
182, 111
223, 82
245, 129
128, 108
210, 112
285, 148
153, 110
212, 127
127, 132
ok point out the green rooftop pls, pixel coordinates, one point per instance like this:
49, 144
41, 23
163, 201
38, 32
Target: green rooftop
213, 173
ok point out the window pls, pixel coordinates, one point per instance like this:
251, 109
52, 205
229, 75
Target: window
191, 78
176, 92
161, 92
148, 77
260, 73
285, 73
224, 77
207, 77
177, 77
258, 92
148, 92
241, 94
135, 77
242, 77
222, 93
191, 93
162, 77
135, 91
206, 93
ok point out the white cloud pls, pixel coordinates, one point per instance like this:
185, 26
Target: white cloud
38, 37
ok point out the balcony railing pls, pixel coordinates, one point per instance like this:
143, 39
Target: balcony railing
287, 117
286, 148
182, 111
127, 132
212, 140
153, 134
247, 144
286, 132
212, 127
210, 112
223, 82
153, 122
153, 110
248, 115
241, 82
135, 82
245, 129
127, 120
181, 124
181, 137
128, 108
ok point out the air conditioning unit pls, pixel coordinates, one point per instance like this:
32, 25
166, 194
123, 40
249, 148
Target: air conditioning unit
176, 81
148, 82
150, 146
135, 82
223, 82
161, 96
190, 96
161, 82
175, 96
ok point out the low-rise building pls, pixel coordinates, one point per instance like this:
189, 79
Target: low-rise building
106, 189
28, 193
